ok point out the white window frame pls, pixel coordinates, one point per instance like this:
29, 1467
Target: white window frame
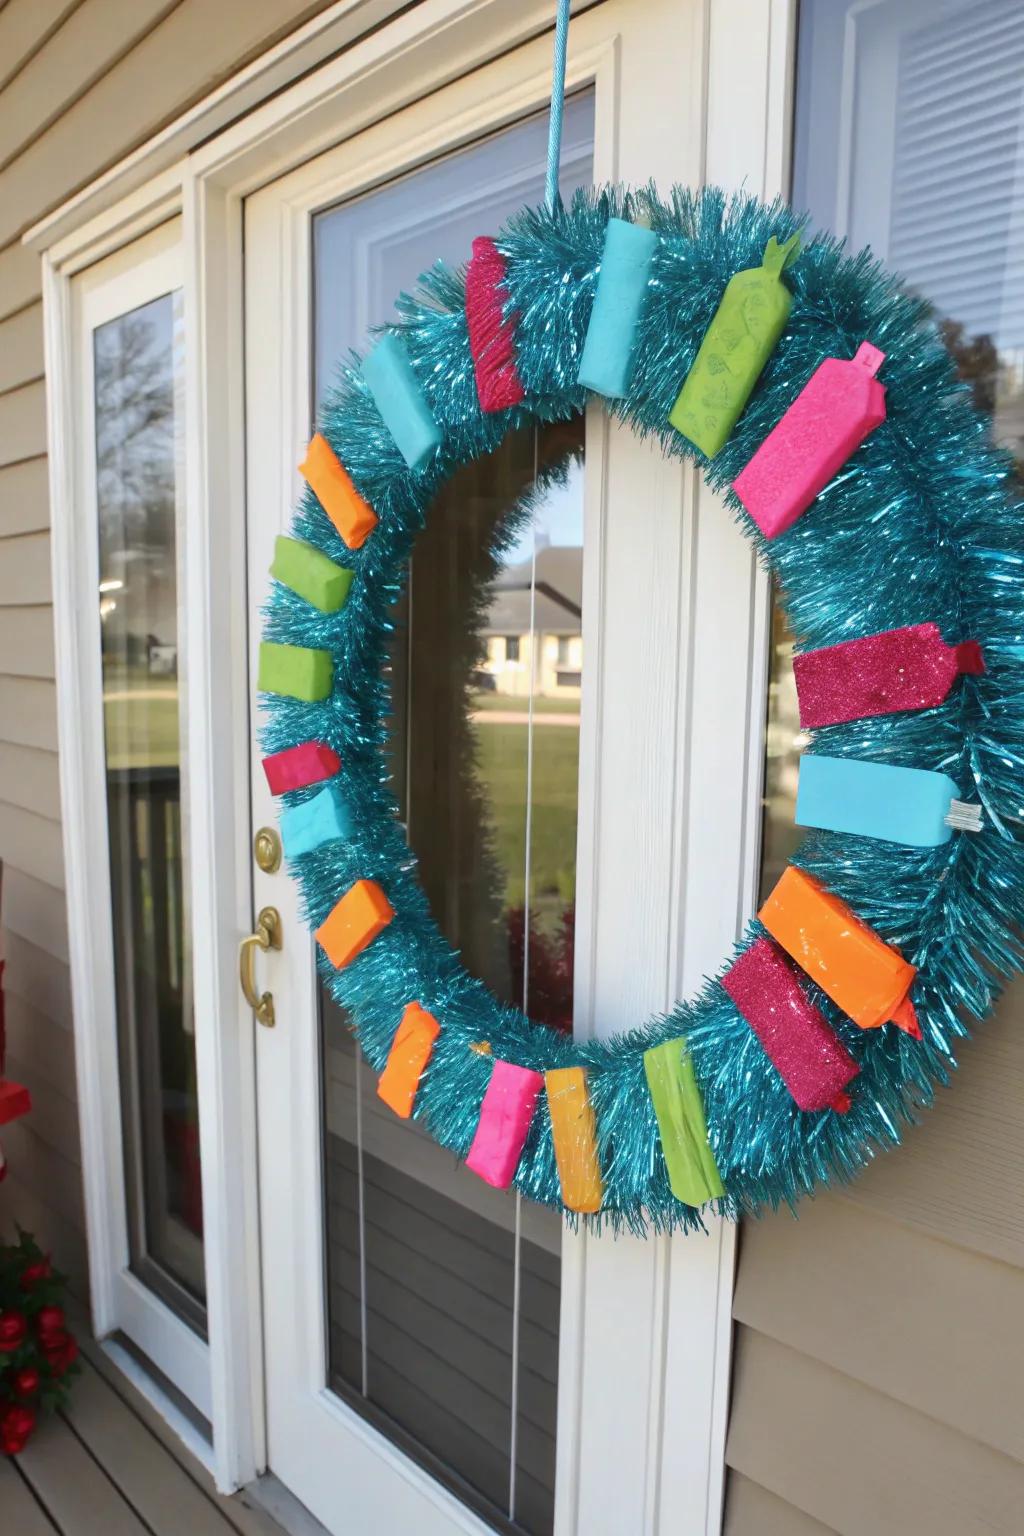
740, 98
148, 268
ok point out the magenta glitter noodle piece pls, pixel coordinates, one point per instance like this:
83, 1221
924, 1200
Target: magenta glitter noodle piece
884, 674
799, 1041
839, 406
492, 337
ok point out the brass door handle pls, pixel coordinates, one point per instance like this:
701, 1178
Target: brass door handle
267, 936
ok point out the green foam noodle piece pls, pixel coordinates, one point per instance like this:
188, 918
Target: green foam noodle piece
295, 671
692, 1171
739, 341
311, 574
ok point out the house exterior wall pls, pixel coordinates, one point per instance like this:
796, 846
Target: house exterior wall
554, 674
878, 1351
878, 1346
81, 84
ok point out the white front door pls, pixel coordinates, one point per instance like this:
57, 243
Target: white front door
439, 1356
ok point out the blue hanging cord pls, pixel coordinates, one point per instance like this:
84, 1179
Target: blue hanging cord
557, 101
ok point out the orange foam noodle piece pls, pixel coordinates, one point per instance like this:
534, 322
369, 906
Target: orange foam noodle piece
411, 1049
328, 478
866, 978
574, 1133
354, 922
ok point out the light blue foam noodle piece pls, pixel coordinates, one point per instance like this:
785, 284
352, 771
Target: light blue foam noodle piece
607, 360
323, 818
396, 392
896, 805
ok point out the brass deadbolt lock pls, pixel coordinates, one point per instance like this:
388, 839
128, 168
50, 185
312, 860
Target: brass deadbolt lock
266, 849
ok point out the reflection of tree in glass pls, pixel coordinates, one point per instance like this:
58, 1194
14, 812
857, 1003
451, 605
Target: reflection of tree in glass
994, 386
135, 418
135, 476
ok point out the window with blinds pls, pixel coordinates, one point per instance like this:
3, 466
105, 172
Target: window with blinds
909, 138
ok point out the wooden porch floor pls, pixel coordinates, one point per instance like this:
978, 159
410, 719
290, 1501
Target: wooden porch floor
108, 1466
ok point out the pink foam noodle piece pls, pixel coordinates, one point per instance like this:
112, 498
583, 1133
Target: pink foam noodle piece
801, 1044
308, 763
492, 338
504, 1123
841, 403
883, 674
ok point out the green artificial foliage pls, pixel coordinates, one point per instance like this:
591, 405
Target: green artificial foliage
38, 1354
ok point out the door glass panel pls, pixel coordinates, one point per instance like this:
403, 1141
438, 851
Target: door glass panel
444, 1293
910, 139
138, 383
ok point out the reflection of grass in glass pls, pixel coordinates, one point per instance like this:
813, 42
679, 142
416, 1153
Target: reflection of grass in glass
550, 704
141, 718
501, 760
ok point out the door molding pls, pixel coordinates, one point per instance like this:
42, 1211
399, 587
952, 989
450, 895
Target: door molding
736, 107
147, 268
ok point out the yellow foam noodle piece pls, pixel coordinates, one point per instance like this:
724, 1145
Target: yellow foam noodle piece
574, 1132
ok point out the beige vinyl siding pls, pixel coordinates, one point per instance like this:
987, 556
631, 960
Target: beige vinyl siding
753, 1508
21, 347
81, 84
20, 281
23, 423
25, 28
879, 1359
23, 497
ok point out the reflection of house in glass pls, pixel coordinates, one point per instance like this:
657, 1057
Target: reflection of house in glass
537, 600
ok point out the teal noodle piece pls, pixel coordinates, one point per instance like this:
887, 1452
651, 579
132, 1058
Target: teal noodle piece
927, 494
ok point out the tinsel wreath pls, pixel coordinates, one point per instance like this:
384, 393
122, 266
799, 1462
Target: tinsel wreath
918, 527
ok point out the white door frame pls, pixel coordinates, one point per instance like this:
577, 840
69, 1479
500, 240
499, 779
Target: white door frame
737, 95
122, 282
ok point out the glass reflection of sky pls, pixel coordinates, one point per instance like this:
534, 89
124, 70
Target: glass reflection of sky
559, 521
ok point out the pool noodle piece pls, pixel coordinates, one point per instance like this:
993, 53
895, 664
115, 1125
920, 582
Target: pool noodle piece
392, 381
739, 341
295, 672
896, 805
839, 406
692, 1172
574, 1134
323, 818
296, 767
504, 1124
866, 978
798, 1040
354, 922
410, 1052
310, 574
330, 483
491, 335
899, 669
608, 351
15, 1101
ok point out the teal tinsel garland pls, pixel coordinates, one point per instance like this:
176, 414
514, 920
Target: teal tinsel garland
918, 526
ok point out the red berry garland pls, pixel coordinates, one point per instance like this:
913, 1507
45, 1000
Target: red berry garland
38, 1353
